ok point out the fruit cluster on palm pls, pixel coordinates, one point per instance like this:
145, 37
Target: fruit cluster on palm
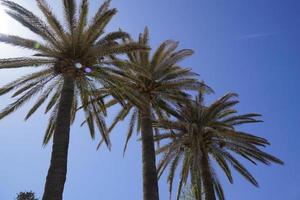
80, 67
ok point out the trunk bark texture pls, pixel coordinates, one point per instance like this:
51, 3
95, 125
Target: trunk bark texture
150, 182
196, 183
207, 179
57, 172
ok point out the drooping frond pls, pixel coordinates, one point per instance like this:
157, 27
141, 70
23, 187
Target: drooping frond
209, 132
24, 98
44, 97
10, 63
132, 123
51, 125
21, 42
28, 79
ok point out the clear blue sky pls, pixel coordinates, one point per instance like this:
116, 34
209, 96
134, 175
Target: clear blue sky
248, 47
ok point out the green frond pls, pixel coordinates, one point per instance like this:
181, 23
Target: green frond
29, 20
158, 54
21, 42
52, 20
177, 57
132, 122
223, 164
24, 80
90, 123
30, 84
183, 175
10, 63
144, 55
82, 20
86, 106
240, 168
97, 27
120, 117
170, 151
54, 99
70, 14
119, 49
74, 108
103, 9
171, 175
51, 125
177, 73
42, 99
111, 37
218, 188
20, 102
166, 106
241, 120
100, 122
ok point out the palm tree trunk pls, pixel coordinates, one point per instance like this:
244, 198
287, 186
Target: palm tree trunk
207, 178
150, 182
196, 183
57, 172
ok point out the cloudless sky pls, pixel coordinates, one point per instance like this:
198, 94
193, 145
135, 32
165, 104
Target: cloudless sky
248, 47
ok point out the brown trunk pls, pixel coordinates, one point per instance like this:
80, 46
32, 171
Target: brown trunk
207, 178
57, 172
196, 183
150, 183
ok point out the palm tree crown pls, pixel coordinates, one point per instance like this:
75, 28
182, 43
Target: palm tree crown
77, 51
203, 133
158, 80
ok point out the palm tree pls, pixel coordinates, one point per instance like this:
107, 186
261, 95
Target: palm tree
71, 69
204, 133
149, 87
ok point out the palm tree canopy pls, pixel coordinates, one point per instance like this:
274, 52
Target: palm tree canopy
209, 131
157, 78
78, 51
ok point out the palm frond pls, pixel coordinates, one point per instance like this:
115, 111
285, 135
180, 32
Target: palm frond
52, 20
29, 20
43, 98
25, 80
10, 63
70, 14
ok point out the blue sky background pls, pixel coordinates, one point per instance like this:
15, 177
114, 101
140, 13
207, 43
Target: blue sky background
248, 47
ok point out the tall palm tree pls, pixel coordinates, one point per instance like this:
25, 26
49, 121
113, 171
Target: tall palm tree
150, 85
204, 133
71, 69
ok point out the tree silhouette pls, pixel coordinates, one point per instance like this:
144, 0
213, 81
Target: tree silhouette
26, 196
